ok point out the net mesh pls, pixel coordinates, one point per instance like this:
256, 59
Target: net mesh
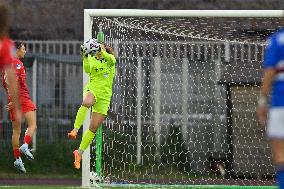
184, 100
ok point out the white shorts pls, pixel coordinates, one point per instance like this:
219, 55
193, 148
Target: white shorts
275, 123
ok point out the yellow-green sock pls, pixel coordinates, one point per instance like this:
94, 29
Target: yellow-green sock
88, 137
80, 117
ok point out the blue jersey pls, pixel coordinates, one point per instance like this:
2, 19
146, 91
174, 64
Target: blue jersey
274, 58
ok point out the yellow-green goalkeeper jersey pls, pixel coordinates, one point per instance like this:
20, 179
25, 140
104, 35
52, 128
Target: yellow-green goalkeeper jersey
101, 74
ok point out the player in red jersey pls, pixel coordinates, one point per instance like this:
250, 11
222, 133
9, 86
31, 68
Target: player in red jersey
6, 56
28, 110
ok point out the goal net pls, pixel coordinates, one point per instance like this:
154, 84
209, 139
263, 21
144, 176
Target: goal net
184, 99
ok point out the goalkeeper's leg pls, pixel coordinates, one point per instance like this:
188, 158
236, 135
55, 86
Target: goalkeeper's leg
81, 114
96, 120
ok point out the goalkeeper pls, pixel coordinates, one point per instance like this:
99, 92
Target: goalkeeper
97, 95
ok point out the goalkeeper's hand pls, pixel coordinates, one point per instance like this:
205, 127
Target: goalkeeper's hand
102, 47
82, 51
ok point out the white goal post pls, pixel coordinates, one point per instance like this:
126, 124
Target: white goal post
90, 13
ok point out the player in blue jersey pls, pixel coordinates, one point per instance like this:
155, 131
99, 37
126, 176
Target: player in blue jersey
272, 93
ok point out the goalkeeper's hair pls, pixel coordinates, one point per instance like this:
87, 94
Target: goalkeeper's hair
4, 18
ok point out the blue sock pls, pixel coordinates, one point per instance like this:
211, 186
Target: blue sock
280, 177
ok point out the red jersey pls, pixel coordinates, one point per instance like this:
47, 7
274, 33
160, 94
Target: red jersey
26, 103
7, 52
21, 74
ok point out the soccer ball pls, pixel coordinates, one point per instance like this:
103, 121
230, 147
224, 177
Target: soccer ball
90, 47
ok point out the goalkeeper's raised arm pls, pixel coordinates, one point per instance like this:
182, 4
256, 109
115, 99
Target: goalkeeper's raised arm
86, 65
108, 54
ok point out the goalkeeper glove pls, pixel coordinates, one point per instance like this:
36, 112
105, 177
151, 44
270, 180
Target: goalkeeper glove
83, 51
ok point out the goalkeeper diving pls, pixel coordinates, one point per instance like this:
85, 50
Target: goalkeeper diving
99, 63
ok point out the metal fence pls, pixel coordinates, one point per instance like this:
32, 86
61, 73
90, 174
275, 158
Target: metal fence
158, 85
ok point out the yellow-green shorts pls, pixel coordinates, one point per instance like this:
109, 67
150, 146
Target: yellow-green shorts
101, 105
